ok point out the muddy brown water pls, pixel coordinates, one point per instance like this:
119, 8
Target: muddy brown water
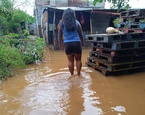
47, 88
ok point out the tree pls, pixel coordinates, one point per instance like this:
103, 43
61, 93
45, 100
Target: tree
11, 16
117, 4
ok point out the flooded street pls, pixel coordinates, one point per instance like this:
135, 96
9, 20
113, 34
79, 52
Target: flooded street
48, 89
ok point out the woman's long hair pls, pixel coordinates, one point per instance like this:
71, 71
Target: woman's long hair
68, 19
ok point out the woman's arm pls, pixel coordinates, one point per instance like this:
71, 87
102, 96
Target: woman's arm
60, 34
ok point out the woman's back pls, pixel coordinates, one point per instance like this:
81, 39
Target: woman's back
70, 36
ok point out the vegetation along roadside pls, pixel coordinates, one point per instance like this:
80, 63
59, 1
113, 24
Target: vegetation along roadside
17, 49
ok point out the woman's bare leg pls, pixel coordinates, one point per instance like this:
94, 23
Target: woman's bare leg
78, 63
71, 63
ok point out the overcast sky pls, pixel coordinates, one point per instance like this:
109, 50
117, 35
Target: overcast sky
133, 4
137, 3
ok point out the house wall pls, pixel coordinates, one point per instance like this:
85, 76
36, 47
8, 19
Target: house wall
42, 2
57, 3
100, 23
38, 11
38, 16
82, 3
32, 28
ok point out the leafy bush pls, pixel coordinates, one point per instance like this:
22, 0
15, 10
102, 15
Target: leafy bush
116, 22
13, 36
10, 59
33, 50
26, 32
15, 49
16, 52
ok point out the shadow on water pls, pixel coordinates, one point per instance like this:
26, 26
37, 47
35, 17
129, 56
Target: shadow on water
48, 89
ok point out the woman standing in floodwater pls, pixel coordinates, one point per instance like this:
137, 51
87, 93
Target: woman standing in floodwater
70, 36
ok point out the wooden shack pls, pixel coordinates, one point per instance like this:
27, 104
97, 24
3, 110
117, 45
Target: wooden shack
51, 18
92, 20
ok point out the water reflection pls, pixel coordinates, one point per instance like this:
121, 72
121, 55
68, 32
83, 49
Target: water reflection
119, 109
90, 101
48, 89
50, 94
55, 92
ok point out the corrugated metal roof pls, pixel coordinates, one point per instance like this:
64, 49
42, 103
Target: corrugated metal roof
74, 8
